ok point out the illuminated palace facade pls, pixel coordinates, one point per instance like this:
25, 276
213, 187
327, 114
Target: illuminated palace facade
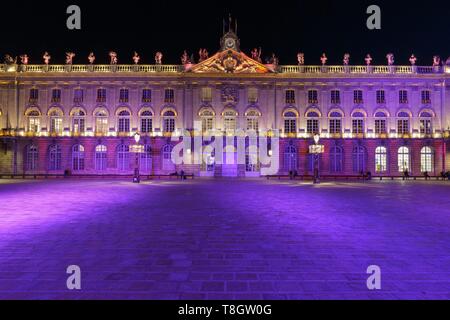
82, 118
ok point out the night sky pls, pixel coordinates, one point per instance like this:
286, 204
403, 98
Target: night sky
282, 27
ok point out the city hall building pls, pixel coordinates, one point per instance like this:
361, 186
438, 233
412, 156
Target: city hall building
382, 119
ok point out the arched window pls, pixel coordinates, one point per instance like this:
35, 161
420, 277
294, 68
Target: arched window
290, 158
336, 159
54, 158
100, 157
146, 121
335, 122
358, 122
312, 122
359, 159
290, 122
207, 117
169, 121
56, 122
380, 159
78, 121
31, 158
101, 122
77, 157
33, 121
167, 157
251, 159
145, 159
123, 157
403, 159
426, 123
253, 120
380, 122
229, 120
403, 123
124, 121
426, 160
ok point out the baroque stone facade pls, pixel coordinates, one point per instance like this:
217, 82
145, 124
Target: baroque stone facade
82, 118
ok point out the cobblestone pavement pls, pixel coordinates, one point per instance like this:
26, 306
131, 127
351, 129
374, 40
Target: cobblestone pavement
224, 239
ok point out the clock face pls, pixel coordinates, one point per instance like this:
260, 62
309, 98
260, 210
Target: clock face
229, 43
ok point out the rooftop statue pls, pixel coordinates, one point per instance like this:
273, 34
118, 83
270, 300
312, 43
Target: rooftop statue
301, 58
158, 57
91, 58
256, 54
24, 59
274, 60
203, 55
185, 58
8, 59
323, 59
368, 59
46, 57
390, 59
436, 61
69, 57
346, 59
113, 57
136, 58
412, 60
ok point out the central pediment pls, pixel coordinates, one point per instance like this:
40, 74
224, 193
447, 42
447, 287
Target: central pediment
230, 61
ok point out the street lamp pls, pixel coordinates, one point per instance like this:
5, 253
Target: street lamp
137, 150
316, 150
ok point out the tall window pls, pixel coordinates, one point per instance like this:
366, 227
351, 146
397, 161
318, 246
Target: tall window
56, 122
290, 122
146, 95
335, 123
358, 123
78, 157
380, 159
426, 160
426, 96
146, 121
312, 97
403, 96
169, 121
34, 121
290, 158
124, 95
78, 121
123, 157
403, 159
145, 159
252, 95
336, 159
358, 96
425, 123
169, 96
312, 122
381, 97
403, 123
251, 159
167, 157
101, 95
359, 159
207, 117
101, 157
290, 96
54, 157
335, 97
101, 122
124, 121
380, 123
206, 94
34, 95
229, 120
253, 120
56, 95
78, 95
32, 158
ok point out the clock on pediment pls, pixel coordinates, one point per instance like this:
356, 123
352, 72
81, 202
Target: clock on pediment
229, 41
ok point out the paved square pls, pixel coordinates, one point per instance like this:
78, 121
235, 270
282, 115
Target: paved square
224, 239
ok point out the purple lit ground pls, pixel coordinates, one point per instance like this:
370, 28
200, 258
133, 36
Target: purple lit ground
224, 239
